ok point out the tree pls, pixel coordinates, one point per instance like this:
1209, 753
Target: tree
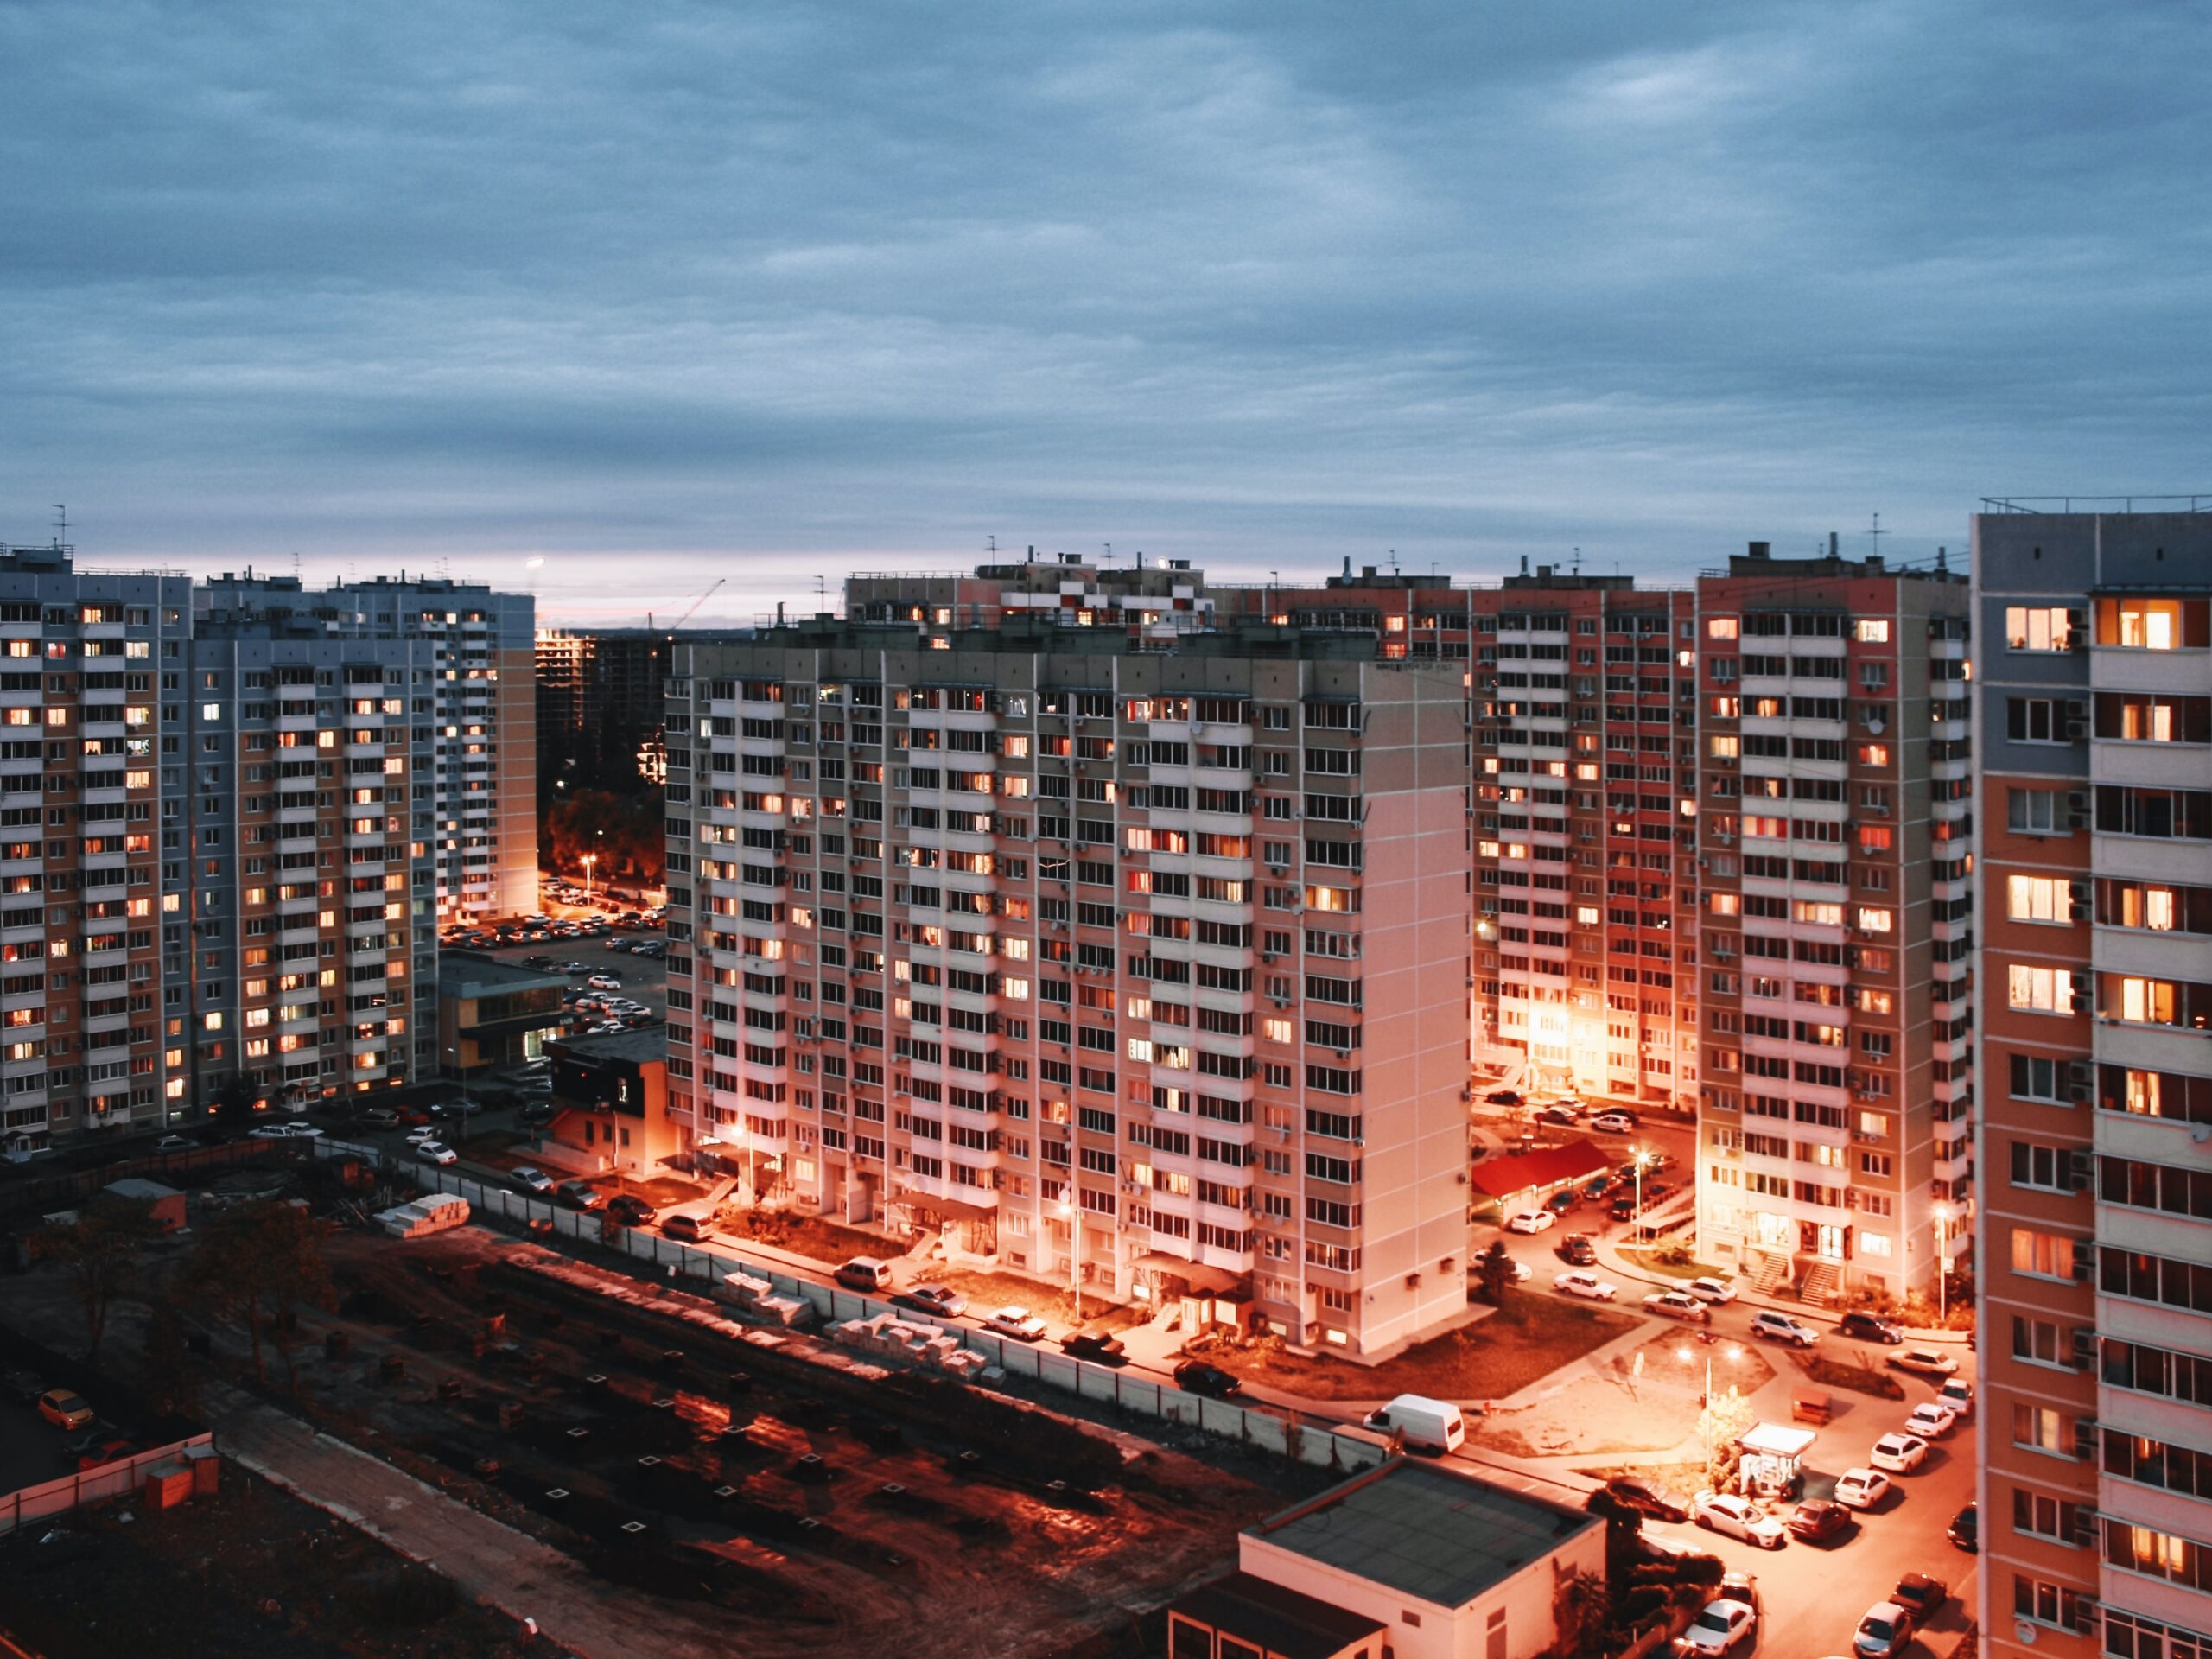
262, 1259
1494, 1275
1580, 1606
99, 1253
165, 1368
1725, 1420
234, 1103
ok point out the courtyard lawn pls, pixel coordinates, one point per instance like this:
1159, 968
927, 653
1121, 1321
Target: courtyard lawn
986, 1291
786, 1229
1530, 1337
1860, 1379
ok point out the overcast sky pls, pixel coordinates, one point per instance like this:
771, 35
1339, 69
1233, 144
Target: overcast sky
667, 292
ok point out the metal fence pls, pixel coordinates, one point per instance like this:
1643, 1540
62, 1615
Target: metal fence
1320, 1444
30, 1504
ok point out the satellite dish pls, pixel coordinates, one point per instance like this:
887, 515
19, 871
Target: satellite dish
2025, 1631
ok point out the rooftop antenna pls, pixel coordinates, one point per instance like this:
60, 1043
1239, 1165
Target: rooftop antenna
822, 591
1876, 534
1394, 561
1110, 552
1577, 565
990, 545
61, 526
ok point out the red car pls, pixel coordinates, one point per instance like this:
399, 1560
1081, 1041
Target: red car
106, 1451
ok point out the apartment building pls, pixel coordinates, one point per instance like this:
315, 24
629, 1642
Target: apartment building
1144, 967
94, 858
1582, 702
599, 707
482, 712
2095, 1239
1157, 600
1834, 811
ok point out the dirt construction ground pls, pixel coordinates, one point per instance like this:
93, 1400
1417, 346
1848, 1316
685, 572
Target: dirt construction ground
796, 1510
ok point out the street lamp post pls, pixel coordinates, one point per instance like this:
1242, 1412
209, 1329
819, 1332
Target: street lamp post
1942, 1264
1643, 1157
1684, 1354
590, 858
1075, 1254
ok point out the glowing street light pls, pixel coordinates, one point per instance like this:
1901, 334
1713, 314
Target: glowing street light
1642, 1157
590, 858
1073, 1211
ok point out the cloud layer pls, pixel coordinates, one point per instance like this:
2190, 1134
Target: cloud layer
670, 293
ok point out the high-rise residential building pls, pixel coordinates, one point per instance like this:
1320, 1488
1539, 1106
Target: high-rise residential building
481, 713
1837, 925
1581, 698
2095, 1239
239, 805
599, 706
1143, 966
95, 857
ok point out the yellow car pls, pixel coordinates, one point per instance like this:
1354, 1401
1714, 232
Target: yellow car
63, 1408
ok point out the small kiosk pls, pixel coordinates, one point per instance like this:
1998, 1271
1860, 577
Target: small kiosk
1773, 1465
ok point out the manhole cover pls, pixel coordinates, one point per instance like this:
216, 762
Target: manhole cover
558, 1493
633, 1526
891, 1489
725, 1492
648, 1462
578, 1433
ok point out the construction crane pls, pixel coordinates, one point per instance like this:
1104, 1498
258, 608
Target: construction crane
696, 604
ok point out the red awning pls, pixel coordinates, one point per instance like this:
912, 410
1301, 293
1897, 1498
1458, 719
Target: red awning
1504, 1176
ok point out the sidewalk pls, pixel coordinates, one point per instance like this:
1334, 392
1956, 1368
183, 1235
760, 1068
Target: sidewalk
499, 1566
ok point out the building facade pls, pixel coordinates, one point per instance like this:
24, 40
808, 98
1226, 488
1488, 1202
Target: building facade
2096, 1229
255, 799
1836, 931
481, 713
1143, 966
1582, 696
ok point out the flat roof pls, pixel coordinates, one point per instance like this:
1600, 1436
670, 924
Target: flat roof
1441, 1537
138, 1187
464, 973
637, 1043
1280, 1620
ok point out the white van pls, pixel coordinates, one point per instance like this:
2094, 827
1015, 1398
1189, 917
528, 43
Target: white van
1430, 1426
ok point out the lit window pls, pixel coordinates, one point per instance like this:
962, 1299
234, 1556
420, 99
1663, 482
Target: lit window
1873, 633
2038, 627
1720, 627
2037, 898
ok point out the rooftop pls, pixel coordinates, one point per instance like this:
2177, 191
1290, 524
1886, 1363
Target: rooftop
463, 973
1440, 1538
638, 1044
1277, 1620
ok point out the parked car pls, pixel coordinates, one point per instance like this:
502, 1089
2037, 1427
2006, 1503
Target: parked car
1958, 1394
380, 1117
866, 1274
1530, 1221
1555, 1114
175, 1143
1931, 1420
1861, 1488
1965, 1529
1819, 1519
605, 981
579, 1195
940, 1301
1886, 1632
1678, 1305
1719, 1628
1645, 1499
1018, 1323
1924, 1362
1196, 1377
1867, 1327
1615, 1122
65, 1408
1577, 1249
1719, 1291
1563, 1201
1570, 1104
1596, 1187
1100, 1347
684, 1230
1588, 1285
23, 1387
1920, 1595
1436, 1427
436, 1152
1505, 1097
531, 1180
416, 1136
1781, 1327
1898, 1453
1738, 1518
631, 1210
103, 1449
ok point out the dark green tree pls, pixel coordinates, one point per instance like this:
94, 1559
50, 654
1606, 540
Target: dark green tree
1494, 1275
99, 1252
